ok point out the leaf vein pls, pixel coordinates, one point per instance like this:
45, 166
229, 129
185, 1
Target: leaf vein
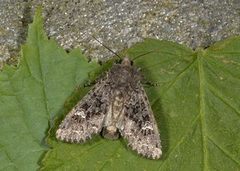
23, 112
10, 159
179, 76
224, 151
180, 141
219, 95
174, 81
112, 156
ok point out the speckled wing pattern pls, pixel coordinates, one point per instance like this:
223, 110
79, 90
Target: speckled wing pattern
86, 118
139, 126
117, 105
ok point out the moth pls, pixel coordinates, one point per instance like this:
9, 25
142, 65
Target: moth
117, 105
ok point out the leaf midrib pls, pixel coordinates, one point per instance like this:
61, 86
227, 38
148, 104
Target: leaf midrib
41, 76
202, 111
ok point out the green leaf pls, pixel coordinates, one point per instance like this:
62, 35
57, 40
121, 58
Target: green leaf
199, 104
33, 93
195, 101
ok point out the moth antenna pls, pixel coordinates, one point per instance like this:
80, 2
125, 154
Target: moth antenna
141, 55
107, 47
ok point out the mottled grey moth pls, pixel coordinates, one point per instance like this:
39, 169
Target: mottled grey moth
116, 105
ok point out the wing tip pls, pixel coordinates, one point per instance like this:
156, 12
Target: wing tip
71, 137
147, 151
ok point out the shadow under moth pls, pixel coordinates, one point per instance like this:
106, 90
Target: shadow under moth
116, 105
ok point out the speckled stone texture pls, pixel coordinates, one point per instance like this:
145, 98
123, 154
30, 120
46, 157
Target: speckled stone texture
119, 24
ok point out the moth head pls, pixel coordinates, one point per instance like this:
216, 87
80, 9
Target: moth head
126, 62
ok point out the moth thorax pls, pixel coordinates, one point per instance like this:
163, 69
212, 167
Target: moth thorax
118, 102
118, 96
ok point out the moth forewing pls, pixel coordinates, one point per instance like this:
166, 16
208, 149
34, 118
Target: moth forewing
116, 105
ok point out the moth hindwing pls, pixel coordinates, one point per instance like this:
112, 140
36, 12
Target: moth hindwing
116, 106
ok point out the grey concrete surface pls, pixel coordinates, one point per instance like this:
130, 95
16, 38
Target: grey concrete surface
119, 23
